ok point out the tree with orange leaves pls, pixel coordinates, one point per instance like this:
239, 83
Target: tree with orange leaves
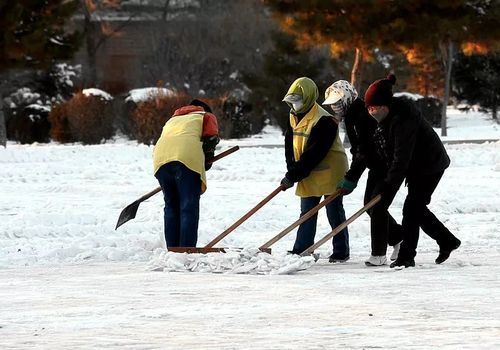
430, 27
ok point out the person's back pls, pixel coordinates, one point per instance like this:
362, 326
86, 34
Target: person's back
180, 157
412, 140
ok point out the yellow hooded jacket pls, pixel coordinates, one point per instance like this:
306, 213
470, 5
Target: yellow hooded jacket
324, 177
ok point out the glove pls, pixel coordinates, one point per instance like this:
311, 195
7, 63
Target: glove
286, 183
346, 186
209, 143
208, 160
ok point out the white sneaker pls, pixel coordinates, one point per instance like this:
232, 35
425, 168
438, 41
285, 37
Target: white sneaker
395, 251
376, 260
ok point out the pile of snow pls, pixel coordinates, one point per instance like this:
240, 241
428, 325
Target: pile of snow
98, 93
242, 261
140, 95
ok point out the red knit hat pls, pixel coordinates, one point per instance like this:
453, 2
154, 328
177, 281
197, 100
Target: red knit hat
379, 93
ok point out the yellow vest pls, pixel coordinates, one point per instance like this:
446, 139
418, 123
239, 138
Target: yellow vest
324, 177
180, 141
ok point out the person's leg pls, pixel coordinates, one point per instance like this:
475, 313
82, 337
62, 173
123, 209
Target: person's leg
336, 215
307, 230
189, 184
435, 229
166, 178
395, 234
379, 217
420, 190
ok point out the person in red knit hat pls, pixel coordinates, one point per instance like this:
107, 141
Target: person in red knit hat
411, 151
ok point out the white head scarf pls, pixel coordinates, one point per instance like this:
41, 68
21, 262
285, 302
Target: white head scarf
340, 96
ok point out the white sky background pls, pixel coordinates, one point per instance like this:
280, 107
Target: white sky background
69, 280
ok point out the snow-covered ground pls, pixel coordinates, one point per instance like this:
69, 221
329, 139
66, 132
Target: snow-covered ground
68, 280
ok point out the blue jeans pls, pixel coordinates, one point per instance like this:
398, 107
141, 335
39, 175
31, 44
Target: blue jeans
336, 215
181, 190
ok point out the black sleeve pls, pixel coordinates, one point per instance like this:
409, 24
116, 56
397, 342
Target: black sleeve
358, 166
319, 143
290, 159
351, 133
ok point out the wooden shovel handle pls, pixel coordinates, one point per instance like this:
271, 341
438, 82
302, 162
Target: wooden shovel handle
245, 217
301, 220
343, 225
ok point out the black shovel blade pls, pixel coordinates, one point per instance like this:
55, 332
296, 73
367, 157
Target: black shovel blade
128, 213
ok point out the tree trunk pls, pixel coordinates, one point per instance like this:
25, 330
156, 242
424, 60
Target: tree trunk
356, 72
3, 131
164, 15
447, 50
91, 79
494, 110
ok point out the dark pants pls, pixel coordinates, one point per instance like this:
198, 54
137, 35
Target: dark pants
307, 230
416, 215
384, 229
181, 190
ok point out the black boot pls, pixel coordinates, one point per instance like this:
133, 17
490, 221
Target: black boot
445, 250
402, 262
338, 259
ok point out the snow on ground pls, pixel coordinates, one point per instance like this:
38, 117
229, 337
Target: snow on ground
472, 125
69, 280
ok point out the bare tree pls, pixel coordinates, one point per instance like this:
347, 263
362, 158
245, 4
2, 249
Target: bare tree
97, 31
207, 48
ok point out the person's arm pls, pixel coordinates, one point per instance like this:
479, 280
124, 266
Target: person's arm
319, 143
358, 166
359, 127
209, 137
350, 130
289, 156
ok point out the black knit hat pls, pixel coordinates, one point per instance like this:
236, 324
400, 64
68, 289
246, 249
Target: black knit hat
202, 104
379, 93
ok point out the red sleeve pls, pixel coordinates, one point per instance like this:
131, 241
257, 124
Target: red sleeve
210, 127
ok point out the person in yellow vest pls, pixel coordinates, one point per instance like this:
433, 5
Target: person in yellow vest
180, 157
316, 160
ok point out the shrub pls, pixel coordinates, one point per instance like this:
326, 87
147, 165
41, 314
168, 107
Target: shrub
150, 115
430, 107
30, 125
59, 125
89, 118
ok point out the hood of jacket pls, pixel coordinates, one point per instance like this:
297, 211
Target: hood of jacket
306, 88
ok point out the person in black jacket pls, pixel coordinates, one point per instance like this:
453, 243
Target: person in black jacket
411, 150
343, 99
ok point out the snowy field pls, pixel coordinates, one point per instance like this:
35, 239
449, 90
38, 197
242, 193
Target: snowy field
68, 280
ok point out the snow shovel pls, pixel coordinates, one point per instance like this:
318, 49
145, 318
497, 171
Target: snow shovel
244, 218
340, 227
131, 210
302, 219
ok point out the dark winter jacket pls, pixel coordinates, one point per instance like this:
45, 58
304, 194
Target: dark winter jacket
319, 143
360, 127
408, 145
